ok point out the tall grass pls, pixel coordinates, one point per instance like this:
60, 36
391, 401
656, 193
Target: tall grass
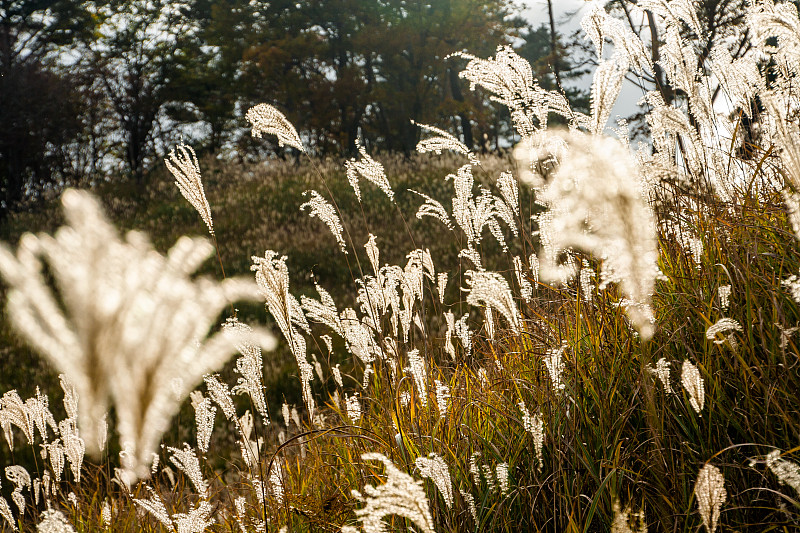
591, 338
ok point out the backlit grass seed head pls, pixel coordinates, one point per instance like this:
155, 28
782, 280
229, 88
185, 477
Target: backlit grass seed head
723, 325
535, 426
54, 521
184, 167
401, 495
711, 495
417, 368
323, 210
123, 323
249, 367
353, 407
204, 414
555, 367
627, 521
693, 384
661, 371
510, 80
434, 468
490, 289
368, 168
442, 397
8, 514
266, 119
724, 293
501, 472
443, 141
787, 472
597, 204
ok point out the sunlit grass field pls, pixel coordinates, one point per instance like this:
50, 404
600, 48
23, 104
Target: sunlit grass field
581, 336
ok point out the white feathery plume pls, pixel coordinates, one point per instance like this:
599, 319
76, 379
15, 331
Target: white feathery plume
509, 190
723, 325
787, 472
525, 287
221, 395
5, 512
434, 468
21, 479
510, 80
441, 285
370, 169
443, 141
661, 371
623, 518
184, 167
535, 426
53, 521
501, 473
74, 446
417, 367
555, 366
463, 332
323, 311
491, 289
724, 293
14, 412
353, 407
693, 383
249, 367
264, 118
608, 78
127, 323
442, 397
188, 463
401, 495
272, 277
373, 253
204, 414
597, 204
323, 210
432, 208
711, 495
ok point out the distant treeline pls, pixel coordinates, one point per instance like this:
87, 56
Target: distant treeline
96, 89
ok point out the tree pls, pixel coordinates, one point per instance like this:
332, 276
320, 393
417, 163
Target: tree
40, 109
139, 58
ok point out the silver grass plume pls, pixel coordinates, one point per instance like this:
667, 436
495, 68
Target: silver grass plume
721, 326
249, 366
787, 472
492, 290
184, 167
417, 367
127, 324
711, 495
22, 480
54, 521
608, 78
323, 210
693, 384
5, 512
432, 208
401, 495
510, 80
535, 426
623, 518
369, 169
264, 118
443, 141
434, 468
597, 204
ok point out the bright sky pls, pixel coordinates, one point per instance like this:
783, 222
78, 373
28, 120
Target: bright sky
536, 11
